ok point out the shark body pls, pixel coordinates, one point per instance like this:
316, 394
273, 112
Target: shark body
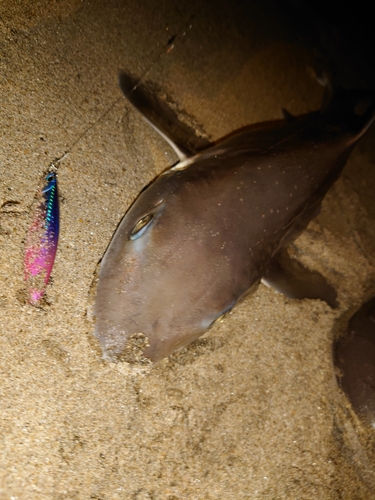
204, 233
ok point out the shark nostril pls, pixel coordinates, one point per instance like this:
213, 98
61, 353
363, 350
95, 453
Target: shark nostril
140, 227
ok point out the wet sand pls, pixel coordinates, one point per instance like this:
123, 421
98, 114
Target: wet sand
252, 409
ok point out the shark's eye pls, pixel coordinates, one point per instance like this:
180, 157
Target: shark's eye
140, 227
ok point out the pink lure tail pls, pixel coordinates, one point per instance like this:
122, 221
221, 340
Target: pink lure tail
41, 241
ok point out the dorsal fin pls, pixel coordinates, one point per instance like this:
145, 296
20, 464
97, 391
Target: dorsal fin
161, 117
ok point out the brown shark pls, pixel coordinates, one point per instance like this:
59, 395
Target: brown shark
200, 237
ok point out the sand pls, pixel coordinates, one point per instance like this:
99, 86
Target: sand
252, 409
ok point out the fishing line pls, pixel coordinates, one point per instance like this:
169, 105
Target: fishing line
42, 238
55, 164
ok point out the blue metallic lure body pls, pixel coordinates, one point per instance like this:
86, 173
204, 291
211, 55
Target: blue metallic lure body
42, 240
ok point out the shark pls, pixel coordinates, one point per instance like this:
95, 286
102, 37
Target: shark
201, 237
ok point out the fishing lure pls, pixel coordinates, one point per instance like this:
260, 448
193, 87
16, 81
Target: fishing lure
41, 241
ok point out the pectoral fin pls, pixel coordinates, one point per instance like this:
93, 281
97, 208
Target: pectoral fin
161, 117
291, 278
